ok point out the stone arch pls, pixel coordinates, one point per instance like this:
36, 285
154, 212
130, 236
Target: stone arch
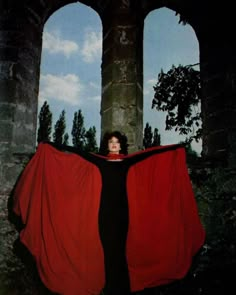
21, 34
213, 26
21, 25
70, 65
21, 42
172, 43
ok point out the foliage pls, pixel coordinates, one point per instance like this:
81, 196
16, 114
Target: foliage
65, 139
191, 155
151, 138
59, 129
147, 139
45, 123
78, 131
217, 193
182, 19
156, 138
177, 92
91, 143
82, 139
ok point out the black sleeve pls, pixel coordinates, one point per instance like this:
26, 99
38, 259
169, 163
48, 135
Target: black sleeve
93, 158
133, 159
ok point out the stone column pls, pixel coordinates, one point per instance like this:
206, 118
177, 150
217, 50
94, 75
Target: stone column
122, 72
20, 52
218, 74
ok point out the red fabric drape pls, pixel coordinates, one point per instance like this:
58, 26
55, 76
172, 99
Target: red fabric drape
58, 198
165, 231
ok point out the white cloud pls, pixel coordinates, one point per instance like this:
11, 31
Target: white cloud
148, 87
95, 85
92, 46
96, 98
54, 44
151, 82
65, 88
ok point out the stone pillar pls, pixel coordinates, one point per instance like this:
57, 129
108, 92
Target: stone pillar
218, 74
122, 72
20, 52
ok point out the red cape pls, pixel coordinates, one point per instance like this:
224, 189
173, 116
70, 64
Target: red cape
58, 197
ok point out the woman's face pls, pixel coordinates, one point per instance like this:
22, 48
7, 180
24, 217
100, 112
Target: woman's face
114, 145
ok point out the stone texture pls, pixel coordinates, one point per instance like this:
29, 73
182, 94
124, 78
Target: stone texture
21, 27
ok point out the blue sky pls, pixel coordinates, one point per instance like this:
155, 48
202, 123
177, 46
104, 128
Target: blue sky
71, 63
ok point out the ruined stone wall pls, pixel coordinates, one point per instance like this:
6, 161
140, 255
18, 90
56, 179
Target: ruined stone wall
21, 29
20, 51
215, 30
122, 75
219, 104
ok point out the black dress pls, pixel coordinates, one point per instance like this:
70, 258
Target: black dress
128, 218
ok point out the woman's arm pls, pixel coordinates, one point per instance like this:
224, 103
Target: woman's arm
142, 155
91, 157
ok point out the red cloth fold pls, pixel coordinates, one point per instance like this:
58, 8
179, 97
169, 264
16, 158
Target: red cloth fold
166, 231
115, 156
58, 197
58, 200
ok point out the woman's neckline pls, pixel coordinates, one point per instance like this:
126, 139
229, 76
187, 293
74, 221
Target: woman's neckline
115, 157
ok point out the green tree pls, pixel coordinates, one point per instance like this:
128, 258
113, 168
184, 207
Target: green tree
177, 92
45, 123
66, 139
78, 131
156, 138
59, 129
148, 135
150, 138
91, 143
191, 155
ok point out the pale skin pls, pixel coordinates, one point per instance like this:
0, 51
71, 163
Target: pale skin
114, 145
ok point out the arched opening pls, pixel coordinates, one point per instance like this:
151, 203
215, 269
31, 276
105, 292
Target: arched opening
70, 77
166, 43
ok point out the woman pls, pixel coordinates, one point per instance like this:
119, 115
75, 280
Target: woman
115, 137
116, 223
113, 215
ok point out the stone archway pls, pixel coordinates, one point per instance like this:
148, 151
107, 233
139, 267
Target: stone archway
21, 27
122, 74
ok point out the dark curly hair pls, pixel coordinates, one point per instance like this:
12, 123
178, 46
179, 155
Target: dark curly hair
122, 140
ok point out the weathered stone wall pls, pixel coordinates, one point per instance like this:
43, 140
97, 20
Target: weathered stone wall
122, 74
20, 51
21, 27
215, 30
